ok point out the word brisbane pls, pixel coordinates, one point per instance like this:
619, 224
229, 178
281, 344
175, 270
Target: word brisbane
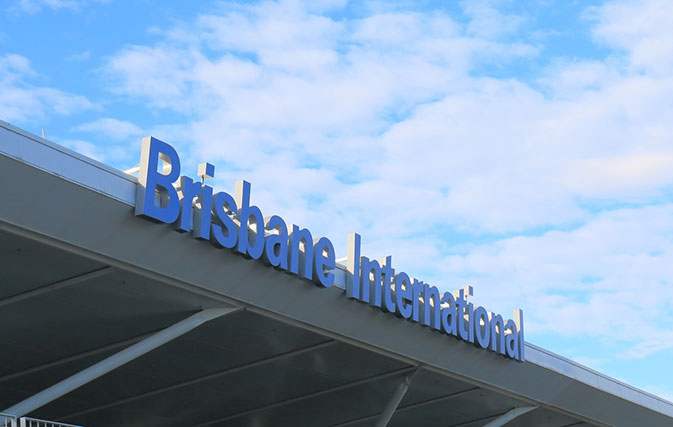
232, 222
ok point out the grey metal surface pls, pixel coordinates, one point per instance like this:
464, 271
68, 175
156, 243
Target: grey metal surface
116, 360
298, 356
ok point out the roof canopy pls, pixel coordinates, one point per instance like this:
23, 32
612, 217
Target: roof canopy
82, 279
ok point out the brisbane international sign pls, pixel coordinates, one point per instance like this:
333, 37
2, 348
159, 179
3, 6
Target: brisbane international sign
231, 222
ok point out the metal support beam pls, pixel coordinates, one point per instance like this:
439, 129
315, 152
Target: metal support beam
203, 378
509, 416
78, 356
116, 360
309, 396
412, 406
395, 399
56, 285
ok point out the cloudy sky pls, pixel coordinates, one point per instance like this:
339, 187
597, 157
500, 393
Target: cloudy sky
523, 147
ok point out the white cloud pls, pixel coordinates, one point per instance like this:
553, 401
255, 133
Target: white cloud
489, 22
79, 57
25, 102
642, 28
106, 154
13, 67
112, 128
161, 72
636, 174
36, 6
87, 148
610, 278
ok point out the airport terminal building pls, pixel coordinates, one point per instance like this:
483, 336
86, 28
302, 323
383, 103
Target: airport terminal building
155, 300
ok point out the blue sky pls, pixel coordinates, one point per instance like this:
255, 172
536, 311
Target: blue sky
523, 147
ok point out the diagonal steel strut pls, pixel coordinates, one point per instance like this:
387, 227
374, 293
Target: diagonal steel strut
509, 416
116, 360
395, 399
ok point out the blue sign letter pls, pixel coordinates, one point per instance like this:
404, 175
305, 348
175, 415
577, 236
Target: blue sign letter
150, 180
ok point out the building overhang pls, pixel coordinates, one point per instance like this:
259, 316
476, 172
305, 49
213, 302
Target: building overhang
296, 353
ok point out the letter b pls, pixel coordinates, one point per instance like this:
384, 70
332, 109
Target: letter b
150, 180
